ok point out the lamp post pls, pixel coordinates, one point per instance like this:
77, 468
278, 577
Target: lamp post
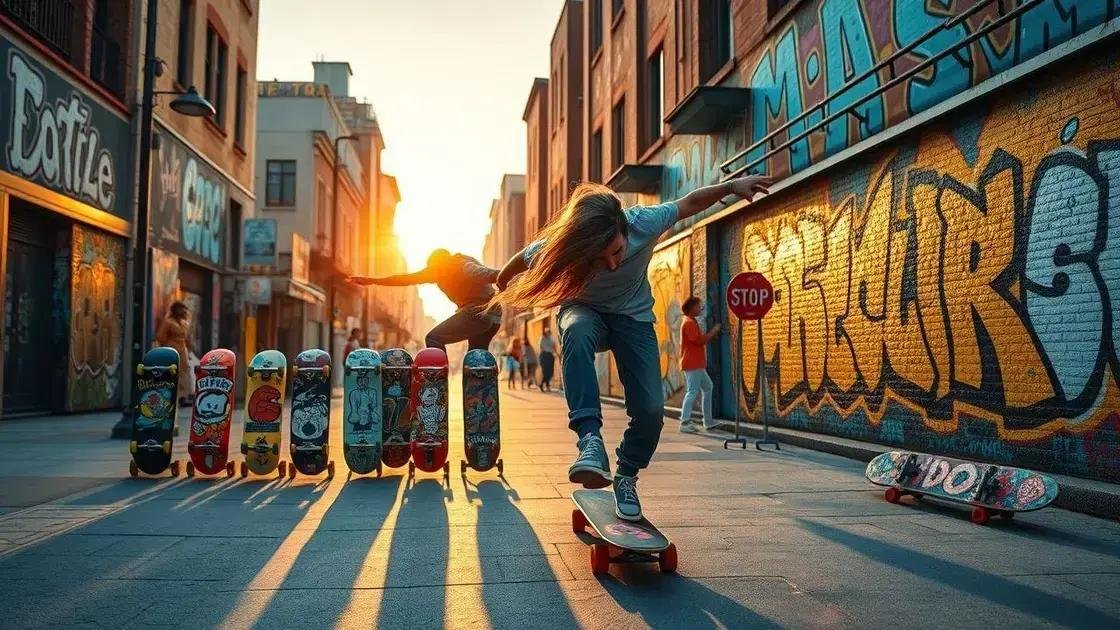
334, 241
188, 103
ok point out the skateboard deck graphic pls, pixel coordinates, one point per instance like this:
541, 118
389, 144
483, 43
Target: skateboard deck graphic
311, 405
988, 488
396, 415
481, 421
208, 444
623, 541
361, 411
429, 412
264, 413
153, 424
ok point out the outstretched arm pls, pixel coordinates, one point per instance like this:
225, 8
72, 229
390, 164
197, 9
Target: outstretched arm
515, 266
703, 198
401, 280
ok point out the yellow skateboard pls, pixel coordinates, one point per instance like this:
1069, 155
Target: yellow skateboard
264, 413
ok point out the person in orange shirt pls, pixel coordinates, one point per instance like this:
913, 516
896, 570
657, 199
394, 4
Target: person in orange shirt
694, 362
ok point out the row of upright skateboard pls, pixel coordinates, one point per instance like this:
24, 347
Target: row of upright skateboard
395, 412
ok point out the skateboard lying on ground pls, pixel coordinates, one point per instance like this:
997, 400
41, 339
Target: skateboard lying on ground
623, 541
481, 422
396, 416
153, 420
264, 412
987, 488
208, 444
311, 412
429, 412
361, 411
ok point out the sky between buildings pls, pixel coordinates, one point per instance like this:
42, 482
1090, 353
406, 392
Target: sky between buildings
448, 79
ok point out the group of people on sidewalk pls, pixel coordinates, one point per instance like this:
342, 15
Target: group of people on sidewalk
592, 263
521, 361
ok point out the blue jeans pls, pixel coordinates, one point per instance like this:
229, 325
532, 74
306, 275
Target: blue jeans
585, 331
697, 383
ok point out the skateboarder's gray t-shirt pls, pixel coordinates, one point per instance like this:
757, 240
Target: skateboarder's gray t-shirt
626, 291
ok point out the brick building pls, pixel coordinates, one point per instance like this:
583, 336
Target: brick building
923, 157
565, 118
536, 158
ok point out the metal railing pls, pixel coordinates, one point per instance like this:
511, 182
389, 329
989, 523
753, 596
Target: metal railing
106, 66
896, 79
50, 20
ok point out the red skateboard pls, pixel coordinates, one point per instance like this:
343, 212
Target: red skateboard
429, 412
208, 445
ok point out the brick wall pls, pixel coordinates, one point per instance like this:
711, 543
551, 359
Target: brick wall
957, 291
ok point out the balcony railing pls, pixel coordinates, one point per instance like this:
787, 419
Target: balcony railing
50, 20
105, 63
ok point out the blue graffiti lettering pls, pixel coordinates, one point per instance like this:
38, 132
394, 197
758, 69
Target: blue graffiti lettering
950, 75
776, 90
1055, 21
203, 204
848, 54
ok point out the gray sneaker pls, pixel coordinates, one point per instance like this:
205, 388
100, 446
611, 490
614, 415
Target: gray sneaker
626, 504
689, 426
592, 469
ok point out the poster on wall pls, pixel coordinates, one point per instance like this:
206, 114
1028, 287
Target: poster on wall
260, 243
164, 289
190, 202
97, 320
59, 137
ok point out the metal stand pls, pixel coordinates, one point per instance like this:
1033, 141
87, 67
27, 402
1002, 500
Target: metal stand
741, 441
762, 399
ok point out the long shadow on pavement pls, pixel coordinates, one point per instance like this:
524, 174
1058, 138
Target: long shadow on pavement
675, 601
994, 588
510, 552
418, 556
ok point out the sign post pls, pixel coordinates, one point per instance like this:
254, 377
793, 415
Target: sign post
750, 296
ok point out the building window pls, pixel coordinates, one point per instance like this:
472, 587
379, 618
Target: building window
217, 58
239, 107
563, 86
596, 26
654, 97
618, 135
281, 188
595, 156
716, 37
105, 60
183, 62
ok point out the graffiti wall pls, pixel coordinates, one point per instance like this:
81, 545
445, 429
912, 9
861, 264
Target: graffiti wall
958, 292
670, 278
190, 204
97, 320
828, 43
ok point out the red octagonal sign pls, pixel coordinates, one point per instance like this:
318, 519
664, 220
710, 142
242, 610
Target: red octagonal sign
750, 296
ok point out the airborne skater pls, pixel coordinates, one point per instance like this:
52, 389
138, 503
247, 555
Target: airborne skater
592, 262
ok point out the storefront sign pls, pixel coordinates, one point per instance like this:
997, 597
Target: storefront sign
260, 242
258, 289
58, 137
291, 88
301, 259
190, 200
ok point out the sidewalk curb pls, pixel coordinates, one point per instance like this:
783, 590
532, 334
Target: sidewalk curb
1089, 496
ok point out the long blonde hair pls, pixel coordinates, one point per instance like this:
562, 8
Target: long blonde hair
572, 242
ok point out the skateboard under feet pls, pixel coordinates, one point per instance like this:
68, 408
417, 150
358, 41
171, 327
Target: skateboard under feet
622, 542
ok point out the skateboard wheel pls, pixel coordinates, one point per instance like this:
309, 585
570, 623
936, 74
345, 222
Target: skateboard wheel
190, 469
501, 468
133, 469
330, 470
250, 372
292, 471
174, 369
244, 448
283, 468
244, 470
600, 558
579, 521
892, 495
229, 469
667, 560
1006, 515
175, 468
132, 447
979, 515
139, 369
167, 447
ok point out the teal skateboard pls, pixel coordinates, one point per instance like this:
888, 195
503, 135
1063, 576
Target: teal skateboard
361, 411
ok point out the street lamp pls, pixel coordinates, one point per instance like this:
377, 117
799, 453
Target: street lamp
334, 242
188, 103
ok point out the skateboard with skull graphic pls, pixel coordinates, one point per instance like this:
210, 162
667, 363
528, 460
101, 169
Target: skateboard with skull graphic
311, 412
264, 412
987, 488
153, 424
620, 541
429, 412
361, 411
208, 444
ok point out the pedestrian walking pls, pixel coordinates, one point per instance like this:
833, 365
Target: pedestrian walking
529, 364
593, 262
548, 359
694, 364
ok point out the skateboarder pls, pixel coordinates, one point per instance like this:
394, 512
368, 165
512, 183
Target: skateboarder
466, 282
593, 263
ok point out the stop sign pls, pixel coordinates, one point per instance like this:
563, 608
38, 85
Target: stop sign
750, 296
